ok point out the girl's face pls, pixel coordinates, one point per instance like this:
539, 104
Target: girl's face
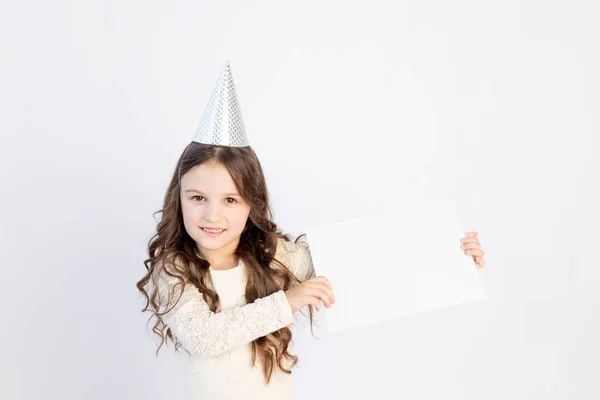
214, 213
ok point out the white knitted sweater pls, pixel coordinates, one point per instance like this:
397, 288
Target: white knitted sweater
217, 346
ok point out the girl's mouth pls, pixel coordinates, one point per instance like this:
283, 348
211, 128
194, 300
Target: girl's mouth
212, 232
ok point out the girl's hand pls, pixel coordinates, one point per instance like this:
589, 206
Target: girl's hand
311, 291
470, 245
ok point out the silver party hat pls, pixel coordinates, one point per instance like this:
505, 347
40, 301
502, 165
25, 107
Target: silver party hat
222, 122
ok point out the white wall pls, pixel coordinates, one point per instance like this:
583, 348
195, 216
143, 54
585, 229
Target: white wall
353, 107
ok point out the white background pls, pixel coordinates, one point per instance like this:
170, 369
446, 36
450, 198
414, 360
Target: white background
353, 107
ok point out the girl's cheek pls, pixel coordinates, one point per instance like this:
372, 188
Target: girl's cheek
193, 212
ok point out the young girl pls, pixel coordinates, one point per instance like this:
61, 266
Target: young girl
223, 280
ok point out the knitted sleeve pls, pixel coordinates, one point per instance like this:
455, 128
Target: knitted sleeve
209, 334
300, 261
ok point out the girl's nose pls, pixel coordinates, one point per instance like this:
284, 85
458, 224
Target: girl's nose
211, 213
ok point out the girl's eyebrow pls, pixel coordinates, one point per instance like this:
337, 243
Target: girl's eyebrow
202, 193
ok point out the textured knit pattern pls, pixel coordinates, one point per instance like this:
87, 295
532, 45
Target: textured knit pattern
217, 346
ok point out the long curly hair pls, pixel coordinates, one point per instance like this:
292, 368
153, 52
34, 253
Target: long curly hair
257, 246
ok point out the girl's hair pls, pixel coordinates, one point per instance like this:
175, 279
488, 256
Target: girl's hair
256, 249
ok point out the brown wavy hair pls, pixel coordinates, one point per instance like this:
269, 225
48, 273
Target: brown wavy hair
256, 249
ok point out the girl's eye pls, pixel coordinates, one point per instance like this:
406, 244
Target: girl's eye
228, 200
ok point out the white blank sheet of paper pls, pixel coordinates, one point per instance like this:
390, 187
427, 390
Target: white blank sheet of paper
389, 265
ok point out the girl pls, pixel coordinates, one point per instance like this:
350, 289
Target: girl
223, 280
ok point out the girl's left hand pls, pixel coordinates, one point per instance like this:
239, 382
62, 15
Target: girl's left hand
470, 245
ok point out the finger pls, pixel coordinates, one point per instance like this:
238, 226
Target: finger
314, 301
474, 252
471, 234
323, 285
327, 281
330, 289
323, 279
466, 246
319, 284
317, 280
469, 240
469, 251
323, 295
327, 297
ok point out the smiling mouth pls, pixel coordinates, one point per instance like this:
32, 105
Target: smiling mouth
213, 231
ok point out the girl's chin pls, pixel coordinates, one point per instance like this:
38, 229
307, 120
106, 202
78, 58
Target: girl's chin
211, 243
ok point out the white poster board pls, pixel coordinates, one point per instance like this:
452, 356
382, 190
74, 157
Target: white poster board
389, 265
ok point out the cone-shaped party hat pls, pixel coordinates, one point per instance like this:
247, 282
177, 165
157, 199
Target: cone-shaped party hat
222, 122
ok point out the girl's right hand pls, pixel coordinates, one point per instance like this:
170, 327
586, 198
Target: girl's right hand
311, 291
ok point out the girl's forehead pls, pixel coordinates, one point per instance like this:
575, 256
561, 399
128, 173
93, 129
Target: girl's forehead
208, 180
